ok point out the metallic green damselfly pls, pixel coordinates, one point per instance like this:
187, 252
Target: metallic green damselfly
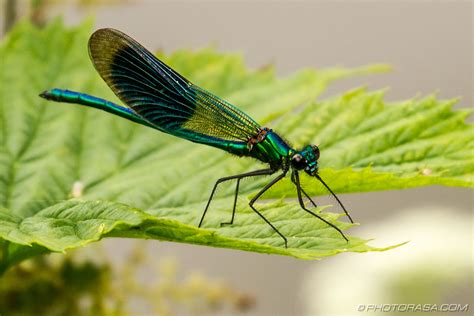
157, 96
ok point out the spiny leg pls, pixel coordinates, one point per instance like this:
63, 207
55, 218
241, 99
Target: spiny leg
255, 198
235, 204
307, 196
250, 174
238, 176
335, 196
296, 177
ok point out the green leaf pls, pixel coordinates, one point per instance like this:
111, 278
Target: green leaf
368, 145
71, 175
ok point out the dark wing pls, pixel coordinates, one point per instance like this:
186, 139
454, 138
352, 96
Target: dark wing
163, 97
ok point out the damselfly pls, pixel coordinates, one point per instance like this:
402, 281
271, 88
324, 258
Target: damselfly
158, 97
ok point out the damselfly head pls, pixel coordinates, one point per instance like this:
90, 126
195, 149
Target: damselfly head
306, 159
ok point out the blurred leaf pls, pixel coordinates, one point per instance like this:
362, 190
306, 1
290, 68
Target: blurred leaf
131, 181
89, 282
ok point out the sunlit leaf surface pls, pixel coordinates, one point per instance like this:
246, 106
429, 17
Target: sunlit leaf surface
71, 175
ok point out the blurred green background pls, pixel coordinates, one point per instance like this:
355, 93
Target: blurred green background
430, 46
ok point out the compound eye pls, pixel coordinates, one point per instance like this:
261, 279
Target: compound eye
298, 161
316, 151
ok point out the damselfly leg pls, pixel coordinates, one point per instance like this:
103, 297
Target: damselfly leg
255, 198
239, 177
296, 180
